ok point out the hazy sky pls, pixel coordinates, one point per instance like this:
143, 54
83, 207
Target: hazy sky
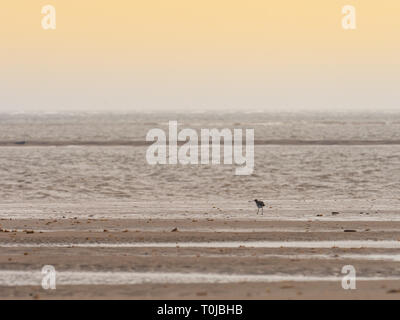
127, 55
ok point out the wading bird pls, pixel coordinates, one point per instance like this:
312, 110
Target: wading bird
259, 205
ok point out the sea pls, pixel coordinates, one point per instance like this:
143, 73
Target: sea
102, 156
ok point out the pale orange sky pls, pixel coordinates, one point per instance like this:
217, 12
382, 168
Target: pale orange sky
132, 55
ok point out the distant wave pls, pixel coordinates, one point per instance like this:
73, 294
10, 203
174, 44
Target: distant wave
145, 143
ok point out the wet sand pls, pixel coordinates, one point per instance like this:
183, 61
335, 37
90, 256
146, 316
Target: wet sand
288, 258
255, 291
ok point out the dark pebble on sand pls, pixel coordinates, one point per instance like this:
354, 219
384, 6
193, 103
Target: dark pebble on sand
394, 291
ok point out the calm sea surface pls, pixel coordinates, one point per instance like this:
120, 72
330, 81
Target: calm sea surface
298, 156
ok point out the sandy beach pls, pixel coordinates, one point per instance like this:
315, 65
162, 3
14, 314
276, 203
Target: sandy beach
242, 257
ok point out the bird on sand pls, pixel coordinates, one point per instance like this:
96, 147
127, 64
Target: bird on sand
260, 205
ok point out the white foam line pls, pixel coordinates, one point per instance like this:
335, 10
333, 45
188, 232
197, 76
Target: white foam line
375, 257
311, 256
34, 278
387, 244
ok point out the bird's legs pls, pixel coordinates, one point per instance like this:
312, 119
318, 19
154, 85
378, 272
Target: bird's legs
262, 211
258, 210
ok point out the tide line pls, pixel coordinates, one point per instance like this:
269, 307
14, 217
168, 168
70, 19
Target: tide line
34, 278
387, 244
